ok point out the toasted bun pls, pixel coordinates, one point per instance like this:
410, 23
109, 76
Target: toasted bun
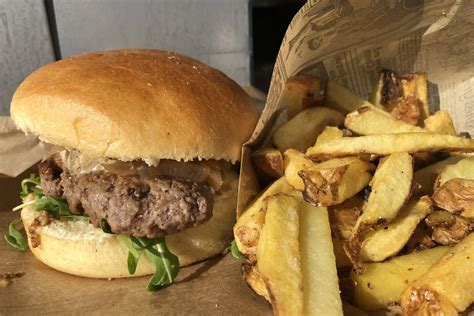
78, 248
136, 104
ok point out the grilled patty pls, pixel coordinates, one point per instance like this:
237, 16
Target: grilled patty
130, 205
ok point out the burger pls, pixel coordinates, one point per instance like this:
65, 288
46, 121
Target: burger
145, 176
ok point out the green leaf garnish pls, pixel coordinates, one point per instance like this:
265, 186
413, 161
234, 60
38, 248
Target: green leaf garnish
166, 263
234, 250
53, 205
14, 237
27, 189
105, 226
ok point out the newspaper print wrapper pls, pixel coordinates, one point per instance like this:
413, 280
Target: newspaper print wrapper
350, 41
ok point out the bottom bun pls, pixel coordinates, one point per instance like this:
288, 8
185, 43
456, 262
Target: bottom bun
78, 248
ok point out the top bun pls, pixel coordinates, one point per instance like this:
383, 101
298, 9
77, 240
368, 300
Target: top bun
136, 104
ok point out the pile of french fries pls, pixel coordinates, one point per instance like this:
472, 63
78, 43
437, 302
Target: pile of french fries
370, 206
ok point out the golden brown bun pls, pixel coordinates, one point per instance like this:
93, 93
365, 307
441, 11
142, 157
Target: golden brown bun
136, 104
78, 248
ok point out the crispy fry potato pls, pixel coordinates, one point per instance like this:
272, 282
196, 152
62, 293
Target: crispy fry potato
249, 225
391, 187
301, 92
295, 161
253, 279
407, 110
370, 121
301, 131
447, 229
390, 239
463, 169
268, 162
342, 260
344, 216
386, 144
440, 122
329, 133
320, 282
278, 255
416, 84
426, 177
335, 180
342, 99
419, 241
447, 287
387, 90
383, 283
456, 196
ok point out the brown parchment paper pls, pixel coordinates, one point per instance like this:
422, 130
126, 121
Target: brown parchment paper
350, 41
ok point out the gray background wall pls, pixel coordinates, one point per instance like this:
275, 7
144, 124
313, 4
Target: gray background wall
216, 32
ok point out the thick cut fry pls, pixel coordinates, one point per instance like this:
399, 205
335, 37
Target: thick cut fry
268, 162
440, 122
446, 228
344, 216
334, 181
387, 90
301, 131
390, 190
329, 133
407, 110
447, 287
371, 121
278, 255
301, 92
253, 279
456, 196
391, 186
426, 177
342, 260
463, 169
342, 99
389, 240
320, 282
248, 226
295, 161
416, 84
383, 283
386, 144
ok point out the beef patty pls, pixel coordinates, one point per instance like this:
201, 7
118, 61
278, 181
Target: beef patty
131, 205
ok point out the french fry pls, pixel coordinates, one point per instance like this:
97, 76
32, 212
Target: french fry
383, 283
295, 161
387, 90
447, 287
391, 187
301, 92
390, 239
343, 217
335, 180
329, 133
446, 228
249, 224
351, 310
456, 196
268, 162
371, 121
301, 131
463, 169
426, 177
342, 260
416, 84
440, 122
253, 279
278, 255
407, 110
320, 282
342, 99
386, 144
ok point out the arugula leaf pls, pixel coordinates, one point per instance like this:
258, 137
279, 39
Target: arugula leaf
14, 237
234, 250
166, 263
54, 206
26, 189
105, 226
